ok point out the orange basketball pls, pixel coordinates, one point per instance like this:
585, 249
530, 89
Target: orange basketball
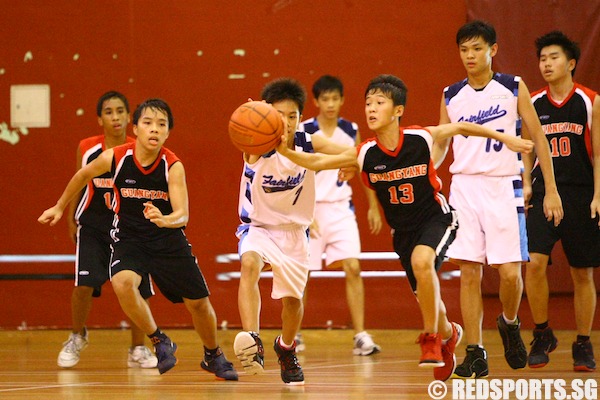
255, 127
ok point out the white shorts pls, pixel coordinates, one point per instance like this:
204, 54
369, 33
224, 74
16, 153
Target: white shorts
286, 251
491, 219
338, 234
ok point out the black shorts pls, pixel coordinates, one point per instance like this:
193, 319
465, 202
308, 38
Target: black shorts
92, 261
438, 234
169, 261
578, 232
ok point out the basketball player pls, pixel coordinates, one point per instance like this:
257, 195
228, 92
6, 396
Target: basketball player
487, 192
570, 117
151, 207
276, 204
397, 165
89, 225
334, 230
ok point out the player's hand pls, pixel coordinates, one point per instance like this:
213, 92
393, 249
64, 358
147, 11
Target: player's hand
72, 227
519, 145
51, 216
152, 213
553, 209
595, 208
282, 147
347, 173
375, 222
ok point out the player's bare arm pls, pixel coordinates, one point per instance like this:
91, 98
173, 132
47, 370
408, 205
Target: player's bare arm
552, 203
443, 132
71, 223
323, 145
178, 196
373, 213
318, 161
595, 205
528, 162
99, 166
440, 147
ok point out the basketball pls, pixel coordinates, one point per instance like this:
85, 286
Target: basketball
255, 127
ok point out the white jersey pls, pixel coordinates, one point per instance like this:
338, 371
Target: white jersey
276, 192
494, 106
328, 187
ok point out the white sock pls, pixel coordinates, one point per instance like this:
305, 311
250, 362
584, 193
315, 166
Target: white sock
282, 344
509, 321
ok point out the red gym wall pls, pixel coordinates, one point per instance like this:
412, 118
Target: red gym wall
205, 58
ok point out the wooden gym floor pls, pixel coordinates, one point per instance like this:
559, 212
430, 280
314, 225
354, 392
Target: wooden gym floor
28, 368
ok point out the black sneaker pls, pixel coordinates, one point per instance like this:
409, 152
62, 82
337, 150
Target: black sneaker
165, 352
544, 342
249, 349
474, 365
219, 366
514, 348
291, 371
583, 357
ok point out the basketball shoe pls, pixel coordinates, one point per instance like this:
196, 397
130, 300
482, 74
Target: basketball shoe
249, 349
475, 364
583, 356
543, 343
514, 348
291, 371
165, 352
219, 366
431, 350
69, 355
364, 345
445, 372
141, 357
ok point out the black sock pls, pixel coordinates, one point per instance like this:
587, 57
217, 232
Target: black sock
158, 333
582, 338
211, 353
541, 326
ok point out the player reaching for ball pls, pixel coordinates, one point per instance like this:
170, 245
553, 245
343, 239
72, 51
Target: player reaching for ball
276, 204
397, 165
151, 207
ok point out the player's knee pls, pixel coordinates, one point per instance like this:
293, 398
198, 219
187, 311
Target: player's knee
470, 275
511, 277
124, 282
250, 267
351, 268
582, 276
199, 306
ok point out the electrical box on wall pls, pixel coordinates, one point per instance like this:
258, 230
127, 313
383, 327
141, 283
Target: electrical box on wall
30, 106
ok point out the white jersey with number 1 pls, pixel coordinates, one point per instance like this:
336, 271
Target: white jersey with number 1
274, 191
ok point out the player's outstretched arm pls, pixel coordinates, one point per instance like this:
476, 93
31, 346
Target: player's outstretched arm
318, 161
81, 178
445, 131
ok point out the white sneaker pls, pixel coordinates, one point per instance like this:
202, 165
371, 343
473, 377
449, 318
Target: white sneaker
249, 350
364, 345
69, 355
141, 357
300, 345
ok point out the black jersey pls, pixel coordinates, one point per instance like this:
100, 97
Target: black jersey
405, 180
135, 185
94, 208
568, 129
